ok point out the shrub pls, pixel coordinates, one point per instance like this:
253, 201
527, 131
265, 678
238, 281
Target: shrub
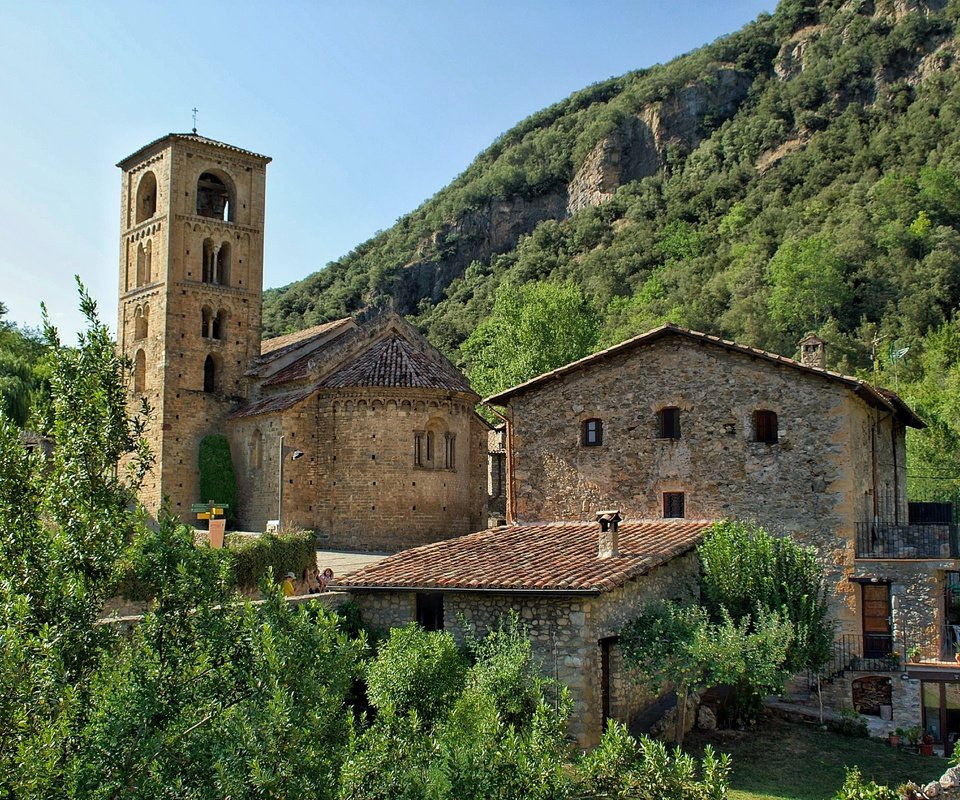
622, 766
416, 670
854, 788
284, 552
850, 724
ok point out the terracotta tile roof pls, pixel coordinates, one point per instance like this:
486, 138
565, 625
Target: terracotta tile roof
396, 362
550, 556
194, 137
875, 396
278, 402
273, 347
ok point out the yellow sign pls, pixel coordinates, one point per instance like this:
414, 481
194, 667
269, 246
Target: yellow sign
203, 515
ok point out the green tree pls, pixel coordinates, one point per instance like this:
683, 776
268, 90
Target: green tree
745, 570
680, 646
807, 285
23, 370
63, 524
532, 329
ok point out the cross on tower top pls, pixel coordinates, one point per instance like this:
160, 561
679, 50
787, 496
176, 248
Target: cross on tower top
195, 110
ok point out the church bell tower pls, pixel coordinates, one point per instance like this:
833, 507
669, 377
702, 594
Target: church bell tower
191, 285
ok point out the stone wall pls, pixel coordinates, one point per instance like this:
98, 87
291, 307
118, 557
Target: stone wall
357, 484
565, 632
811, 483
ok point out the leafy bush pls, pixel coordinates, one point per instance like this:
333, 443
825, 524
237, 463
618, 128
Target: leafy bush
217, 479
252, 557
850, 724
622, 766
416, 670
854, 788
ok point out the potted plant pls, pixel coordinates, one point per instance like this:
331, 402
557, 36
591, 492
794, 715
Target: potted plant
913, 654
895, 737
912, 735
926, 745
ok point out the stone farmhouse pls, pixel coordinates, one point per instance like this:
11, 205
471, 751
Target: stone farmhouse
358, 428
674, 429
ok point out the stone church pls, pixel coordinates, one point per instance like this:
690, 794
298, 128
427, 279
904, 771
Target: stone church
358, 428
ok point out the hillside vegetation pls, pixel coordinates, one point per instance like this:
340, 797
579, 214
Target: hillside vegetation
800, 174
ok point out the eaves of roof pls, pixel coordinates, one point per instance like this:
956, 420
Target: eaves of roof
875, 396
189, 137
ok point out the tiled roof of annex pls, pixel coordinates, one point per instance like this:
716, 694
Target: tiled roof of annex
395, 362
873, 395
534, 557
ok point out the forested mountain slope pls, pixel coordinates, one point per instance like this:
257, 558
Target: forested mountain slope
800, 174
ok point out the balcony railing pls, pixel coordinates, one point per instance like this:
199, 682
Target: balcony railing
932, 645
890, 540
870, 653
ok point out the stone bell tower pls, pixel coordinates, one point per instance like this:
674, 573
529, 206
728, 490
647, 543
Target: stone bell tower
191, 283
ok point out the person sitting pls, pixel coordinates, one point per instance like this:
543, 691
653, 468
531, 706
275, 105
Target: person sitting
287, 585
311, 580
326, 579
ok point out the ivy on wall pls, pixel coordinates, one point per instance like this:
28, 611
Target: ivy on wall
218, 482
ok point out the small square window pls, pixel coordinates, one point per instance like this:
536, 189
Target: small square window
669, 422
673, 505
591, 433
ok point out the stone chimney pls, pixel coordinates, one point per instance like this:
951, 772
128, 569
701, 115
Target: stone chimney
813, 351
609, 533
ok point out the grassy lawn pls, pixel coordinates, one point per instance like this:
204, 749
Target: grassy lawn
785, 761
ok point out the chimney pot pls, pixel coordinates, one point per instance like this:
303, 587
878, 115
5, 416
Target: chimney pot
609, 541
813, 351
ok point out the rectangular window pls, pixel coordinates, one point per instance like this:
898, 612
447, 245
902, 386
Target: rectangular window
430, 610
765, 427
450, 450
591, 433
669, 423
429, 447
673, 505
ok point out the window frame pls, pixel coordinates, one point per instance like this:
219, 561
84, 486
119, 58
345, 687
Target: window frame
766, 426
673, 502
668, 422
591, 432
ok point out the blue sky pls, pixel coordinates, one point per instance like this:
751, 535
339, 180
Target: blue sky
367, 108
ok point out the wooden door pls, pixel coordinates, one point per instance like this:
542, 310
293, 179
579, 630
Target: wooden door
877, 635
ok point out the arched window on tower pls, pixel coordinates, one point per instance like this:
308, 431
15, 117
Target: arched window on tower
219, 325
141, 322
206, 317
146, 197
214, 198
141, 264
148, 261
216, 263
222, 273
209, 261
140, 372
210, 376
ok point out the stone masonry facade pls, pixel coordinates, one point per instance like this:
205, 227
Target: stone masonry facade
566, 630
816, 482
